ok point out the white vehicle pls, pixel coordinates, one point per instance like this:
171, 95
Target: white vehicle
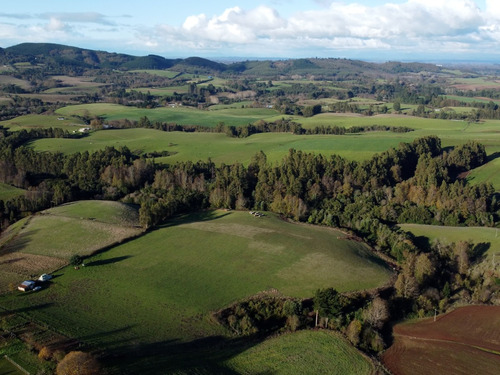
45, 277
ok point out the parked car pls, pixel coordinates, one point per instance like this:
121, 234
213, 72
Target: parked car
45, 277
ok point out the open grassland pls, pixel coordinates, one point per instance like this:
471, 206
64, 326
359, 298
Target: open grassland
161, 73
464, 341
448, 235
477, 83
467, 99
43, 121
179, 115
164, 284
489, 172
8, 192
304, 352
223, 149
47, 241
162, 91
9, 80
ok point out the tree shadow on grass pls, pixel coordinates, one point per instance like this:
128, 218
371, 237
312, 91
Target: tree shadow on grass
103, 262
479, 250
493, 156
207, 215
25, 309
20, 242
202, 356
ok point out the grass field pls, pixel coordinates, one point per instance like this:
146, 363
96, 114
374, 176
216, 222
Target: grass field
448, 235
168, 281
179, 115
43, 121
161, 73
489, 172
220, 148
7, 368
464, 341
304, 352
29, 246
8, 191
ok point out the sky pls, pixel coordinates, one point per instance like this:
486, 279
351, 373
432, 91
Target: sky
373, 30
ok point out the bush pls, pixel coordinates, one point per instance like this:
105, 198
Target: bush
76, 260
78, 363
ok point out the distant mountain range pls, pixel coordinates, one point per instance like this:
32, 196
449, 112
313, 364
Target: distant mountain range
59, 56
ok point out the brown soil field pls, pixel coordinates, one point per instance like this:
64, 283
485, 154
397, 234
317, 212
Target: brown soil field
477, 86
464, 341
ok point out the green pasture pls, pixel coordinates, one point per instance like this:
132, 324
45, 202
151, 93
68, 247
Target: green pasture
467, 99
163, 285
217, 82
489, 172
160, 73
483, 81
7, 368
8, 192
223, 149
179, 115
162, 91
27, 122
73, 90
238, 105
80, 228
303, 352
449, 235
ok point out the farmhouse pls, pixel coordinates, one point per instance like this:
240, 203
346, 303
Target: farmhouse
26, 286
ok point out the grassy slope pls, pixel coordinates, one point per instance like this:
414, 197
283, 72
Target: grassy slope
168, 280
42, 121
8, 191
305, 352
455, 234
180, 115
47, 241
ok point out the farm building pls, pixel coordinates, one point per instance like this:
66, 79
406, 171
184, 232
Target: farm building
26, 285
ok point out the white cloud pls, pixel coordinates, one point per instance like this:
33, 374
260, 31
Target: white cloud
417, 24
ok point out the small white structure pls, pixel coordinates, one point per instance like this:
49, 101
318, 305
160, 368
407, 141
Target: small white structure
45, 277
26, 285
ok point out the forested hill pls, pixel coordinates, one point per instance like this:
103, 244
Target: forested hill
57, 55
62, 57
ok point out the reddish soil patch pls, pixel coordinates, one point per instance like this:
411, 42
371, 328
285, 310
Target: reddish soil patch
465, 341
476, 86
